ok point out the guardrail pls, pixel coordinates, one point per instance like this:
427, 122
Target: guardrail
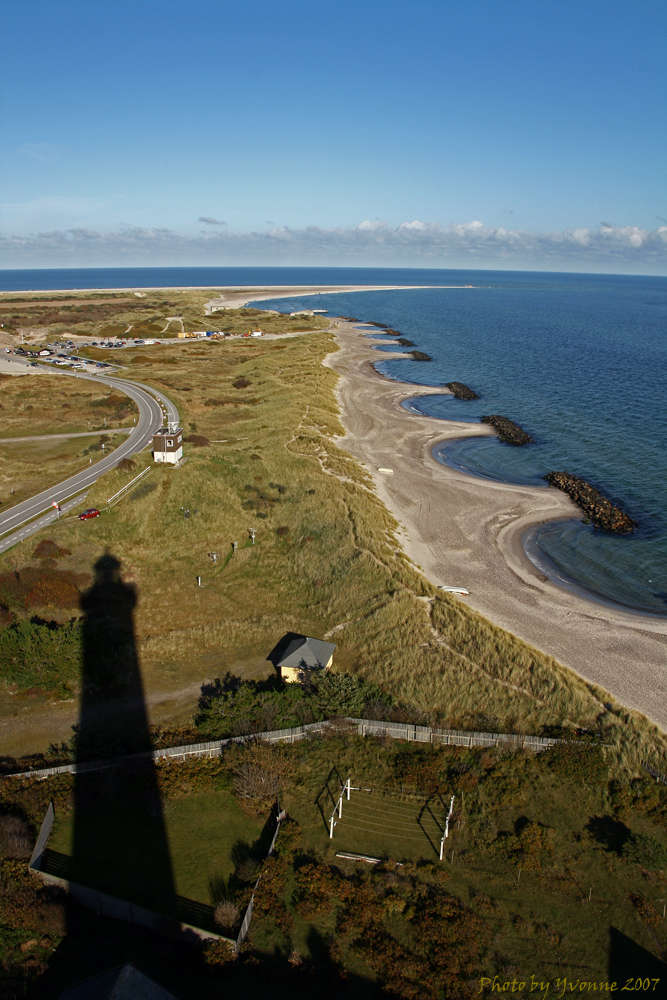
119, 496
363, 727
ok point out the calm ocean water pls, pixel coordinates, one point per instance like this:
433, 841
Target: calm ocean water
580, 361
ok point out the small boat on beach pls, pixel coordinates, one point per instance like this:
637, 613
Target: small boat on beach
455, 590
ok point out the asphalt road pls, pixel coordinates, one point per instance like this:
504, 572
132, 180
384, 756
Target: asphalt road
154, 410
32, 527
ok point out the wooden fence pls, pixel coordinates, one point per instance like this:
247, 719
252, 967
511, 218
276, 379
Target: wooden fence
248, 913
363, 727
652, 771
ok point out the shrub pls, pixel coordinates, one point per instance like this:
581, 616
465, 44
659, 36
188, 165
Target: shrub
36, 654
48, 549
255, 785
645, 851
242, 383
343, 694
197, 440
126, 465
226, 916
6, 616
15, 838
53, 591
577, 762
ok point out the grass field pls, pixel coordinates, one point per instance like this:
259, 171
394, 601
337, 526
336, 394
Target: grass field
28, 467
379, 823
117, 854
59, 404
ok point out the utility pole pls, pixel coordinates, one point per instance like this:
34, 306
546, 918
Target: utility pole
253, 532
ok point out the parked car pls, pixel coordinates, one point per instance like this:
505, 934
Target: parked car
91, 512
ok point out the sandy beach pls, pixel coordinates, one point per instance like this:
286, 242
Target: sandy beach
465, 531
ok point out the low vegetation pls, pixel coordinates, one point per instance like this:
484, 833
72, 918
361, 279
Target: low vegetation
552, 865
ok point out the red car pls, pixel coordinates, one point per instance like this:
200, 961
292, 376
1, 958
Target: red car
91, 512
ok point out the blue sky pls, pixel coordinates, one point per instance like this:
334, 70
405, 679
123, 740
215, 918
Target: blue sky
126, 123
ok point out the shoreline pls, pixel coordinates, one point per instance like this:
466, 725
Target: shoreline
549, 568
464, 530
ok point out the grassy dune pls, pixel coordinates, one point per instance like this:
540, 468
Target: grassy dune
325, 561
116, 315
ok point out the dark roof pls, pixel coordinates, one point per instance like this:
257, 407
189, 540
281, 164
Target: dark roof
307, 653
122, 983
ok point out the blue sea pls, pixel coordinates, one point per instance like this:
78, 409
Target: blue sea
579, 361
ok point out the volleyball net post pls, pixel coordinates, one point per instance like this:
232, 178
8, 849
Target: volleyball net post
445, 832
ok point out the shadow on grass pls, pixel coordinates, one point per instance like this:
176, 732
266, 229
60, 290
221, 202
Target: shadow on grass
113, 712
628, 960
326, 798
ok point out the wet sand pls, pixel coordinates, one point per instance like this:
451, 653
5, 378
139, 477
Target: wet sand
466, 531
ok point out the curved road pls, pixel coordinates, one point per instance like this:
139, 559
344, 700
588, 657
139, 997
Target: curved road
154, 411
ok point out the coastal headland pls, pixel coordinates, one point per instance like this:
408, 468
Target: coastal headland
465, 531
278, 427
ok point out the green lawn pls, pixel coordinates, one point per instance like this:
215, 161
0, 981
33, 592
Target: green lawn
123, 851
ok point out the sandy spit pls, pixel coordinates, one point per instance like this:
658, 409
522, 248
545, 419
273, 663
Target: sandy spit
465, 531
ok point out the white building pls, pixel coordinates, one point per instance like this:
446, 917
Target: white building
168, 444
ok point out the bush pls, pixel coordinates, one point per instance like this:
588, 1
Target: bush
126, 465
226, 916
645, 851
38, 654
230, 707
577, 762
15, 838
198, 440
48, 549
6, 616
255, 785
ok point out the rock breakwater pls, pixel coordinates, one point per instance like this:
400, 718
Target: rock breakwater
461, 391
600, 511
420, 356
507, 430
404, 342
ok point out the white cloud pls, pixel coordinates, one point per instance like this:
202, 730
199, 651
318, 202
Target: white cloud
371, 243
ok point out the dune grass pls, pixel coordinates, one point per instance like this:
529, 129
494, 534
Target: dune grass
325, 559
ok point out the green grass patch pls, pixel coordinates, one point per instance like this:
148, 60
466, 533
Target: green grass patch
206, 835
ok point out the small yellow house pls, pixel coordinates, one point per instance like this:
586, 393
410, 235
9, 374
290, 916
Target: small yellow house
304, 655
